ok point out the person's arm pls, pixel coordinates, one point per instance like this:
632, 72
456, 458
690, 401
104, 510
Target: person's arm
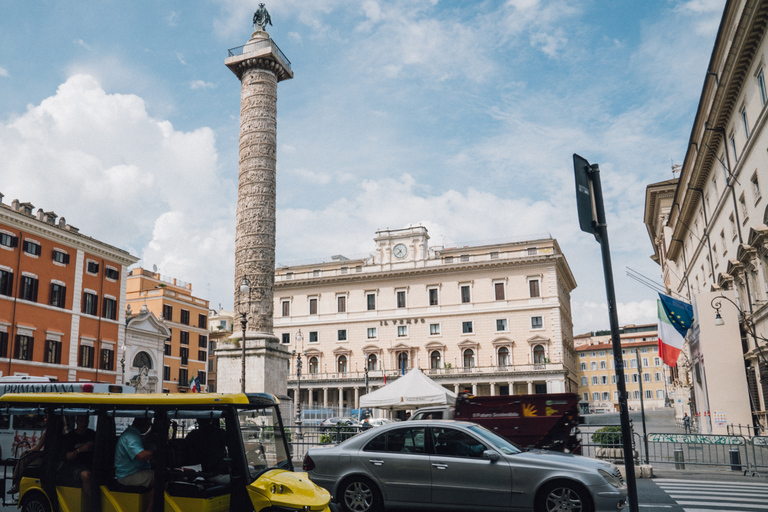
77, 451
145, 455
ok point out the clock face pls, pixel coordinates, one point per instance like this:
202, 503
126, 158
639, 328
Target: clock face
400, 251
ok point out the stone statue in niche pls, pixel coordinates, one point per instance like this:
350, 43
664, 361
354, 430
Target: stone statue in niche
261, 18
142, 381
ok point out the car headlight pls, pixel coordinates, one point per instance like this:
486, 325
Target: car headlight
611, 479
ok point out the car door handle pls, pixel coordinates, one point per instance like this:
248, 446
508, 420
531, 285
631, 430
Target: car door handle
439, 466
376, 462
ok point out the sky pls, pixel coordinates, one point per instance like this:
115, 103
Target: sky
458, 116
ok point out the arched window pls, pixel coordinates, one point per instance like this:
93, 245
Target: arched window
372, 362
142, 359
469, 358
434, 360
503, 356
538, 354
313, 365
342, 364
402, 361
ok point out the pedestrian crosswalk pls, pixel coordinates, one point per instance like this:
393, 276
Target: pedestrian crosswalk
706, 496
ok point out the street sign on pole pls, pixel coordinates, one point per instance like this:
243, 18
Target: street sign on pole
589, 199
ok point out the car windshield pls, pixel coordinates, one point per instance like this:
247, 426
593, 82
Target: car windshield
504, 446
263, 440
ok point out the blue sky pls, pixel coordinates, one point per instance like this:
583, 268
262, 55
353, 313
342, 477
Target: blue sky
460, 116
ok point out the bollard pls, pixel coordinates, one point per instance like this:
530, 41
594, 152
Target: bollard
679, 459
735, 458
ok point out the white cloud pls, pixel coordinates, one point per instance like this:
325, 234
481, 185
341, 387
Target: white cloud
3, 72
80, 42
83, 151
201, 84
180, 57
172, 18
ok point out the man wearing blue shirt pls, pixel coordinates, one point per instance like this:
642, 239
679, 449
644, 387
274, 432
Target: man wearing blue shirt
132, 465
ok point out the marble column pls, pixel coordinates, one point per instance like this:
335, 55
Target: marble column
259, 65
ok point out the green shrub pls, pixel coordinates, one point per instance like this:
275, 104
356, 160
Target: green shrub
608, 435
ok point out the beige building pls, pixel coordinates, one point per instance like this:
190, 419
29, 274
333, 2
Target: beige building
708, 228
597, 373
185, 352
495, 319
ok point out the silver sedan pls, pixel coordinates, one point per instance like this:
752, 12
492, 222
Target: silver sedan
462, 466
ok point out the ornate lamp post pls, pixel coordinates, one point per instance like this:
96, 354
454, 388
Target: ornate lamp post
244, 290
299, 340
122, 362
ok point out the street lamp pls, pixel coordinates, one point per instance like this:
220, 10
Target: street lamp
244, 290
122, 362
299, 343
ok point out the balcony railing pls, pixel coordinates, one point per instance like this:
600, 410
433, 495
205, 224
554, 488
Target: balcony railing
376, 376
257, 45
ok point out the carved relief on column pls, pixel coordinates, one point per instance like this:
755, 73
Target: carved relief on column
255, 230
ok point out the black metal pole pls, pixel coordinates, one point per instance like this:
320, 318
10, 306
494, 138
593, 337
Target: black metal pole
642, 402
601, 233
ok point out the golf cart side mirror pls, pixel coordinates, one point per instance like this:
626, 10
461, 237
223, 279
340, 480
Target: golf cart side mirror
491, 455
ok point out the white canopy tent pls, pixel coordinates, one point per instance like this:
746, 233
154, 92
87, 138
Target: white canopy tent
411, 391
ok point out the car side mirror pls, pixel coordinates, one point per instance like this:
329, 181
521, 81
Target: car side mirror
491, 455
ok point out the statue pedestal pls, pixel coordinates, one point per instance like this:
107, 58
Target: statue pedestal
266, 363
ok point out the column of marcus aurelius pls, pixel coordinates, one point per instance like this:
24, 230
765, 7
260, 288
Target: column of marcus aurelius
259, 65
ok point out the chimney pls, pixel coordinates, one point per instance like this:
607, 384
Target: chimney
39, 214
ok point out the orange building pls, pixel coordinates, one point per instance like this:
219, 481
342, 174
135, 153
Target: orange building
186, 352
61, 307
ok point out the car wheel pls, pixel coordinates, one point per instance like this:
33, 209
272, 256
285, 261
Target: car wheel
563, 497
359, 495
35, 502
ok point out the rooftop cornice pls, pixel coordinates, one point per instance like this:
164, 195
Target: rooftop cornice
31, 225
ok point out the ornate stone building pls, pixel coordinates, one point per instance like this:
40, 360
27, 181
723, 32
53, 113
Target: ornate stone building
708, 227
492, 318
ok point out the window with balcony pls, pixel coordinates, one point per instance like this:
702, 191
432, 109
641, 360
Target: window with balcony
402, 362
503, 356
313, 365
469, 358
342, 364
434, 360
